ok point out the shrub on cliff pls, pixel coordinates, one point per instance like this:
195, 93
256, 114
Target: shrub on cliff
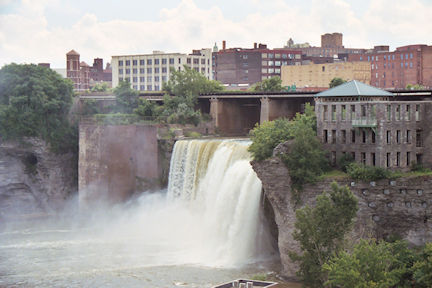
35, 102
126, 98
367, 173
321, 230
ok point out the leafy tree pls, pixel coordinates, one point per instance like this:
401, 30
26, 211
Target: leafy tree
344, 161
190, 83
179, 110
145, 108
415, 87
321, 231
100, 87
127, 98
273, 84
35, 101
336, 82
423, 268
372, 264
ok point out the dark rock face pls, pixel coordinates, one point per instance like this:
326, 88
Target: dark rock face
401, 207
34, 180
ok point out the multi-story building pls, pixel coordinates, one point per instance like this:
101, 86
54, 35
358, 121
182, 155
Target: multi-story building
239, 68
148, 72
367, 123
99, 74
410, 64
320, 75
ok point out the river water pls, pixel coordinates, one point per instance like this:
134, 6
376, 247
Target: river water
208, 228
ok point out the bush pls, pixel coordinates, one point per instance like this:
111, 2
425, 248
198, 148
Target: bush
344, 161
367, 173
423, 267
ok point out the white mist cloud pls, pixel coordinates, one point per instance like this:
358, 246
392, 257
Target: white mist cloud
26, 35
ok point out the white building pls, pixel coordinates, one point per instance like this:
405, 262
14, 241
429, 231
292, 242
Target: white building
149, 71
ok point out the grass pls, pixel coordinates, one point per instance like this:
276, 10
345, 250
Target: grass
340, 175
333, 174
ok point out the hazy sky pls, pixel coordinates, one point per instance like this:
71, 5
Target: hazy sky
33, 31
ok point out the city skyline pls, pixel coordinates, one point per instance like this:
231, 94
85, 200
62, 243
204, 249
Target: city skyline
45, 30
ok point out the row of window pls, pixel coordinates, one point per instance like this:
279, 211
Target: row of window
389, 57
270, 70
369, 137
164, 61
401, 112
279, 56
156, 70
389, 162
410, 64
146, 88
274, 63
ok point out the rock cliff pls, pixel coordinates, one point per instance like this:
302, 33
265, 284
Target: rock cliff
400, 207
33, 180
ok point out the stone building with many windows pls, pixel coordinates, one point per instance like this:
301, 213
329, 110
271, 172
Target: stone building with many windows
148, 72
373, 126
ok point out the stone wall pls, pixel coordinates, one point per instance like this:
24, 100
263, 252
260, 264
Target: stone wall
33, 180
115, 161
401, 207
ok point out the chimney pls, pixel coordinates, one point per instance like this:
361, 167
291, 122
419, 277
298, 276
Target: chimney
223, 45
255, 45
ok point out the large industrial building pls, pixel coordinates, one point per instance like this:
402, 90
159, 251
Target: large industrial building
148, 72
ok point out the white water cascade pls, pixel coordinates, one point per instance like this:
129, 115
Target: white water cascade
216, 180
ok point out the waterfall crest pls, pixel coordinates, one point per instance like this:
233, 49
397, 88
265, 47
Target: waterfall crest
216, 180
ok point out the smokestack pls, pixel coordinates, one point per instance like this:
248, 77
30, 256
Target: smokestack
223, 45
255, 45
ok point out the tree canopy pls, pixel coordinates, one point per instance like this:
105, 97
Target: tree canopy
35, 101
273, 84
336, 82
127, 98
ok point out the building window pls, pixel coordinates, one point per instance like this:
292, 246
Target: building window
323, 68
408, 113
120, 62
164, 69
419, 140
171, 61
363, 158
373, 158
408, 136
398, 136
134, 79
363, 111
352, 112
333, 136
325, 136
142, 87
134, 71
388, 158
388, 112
164, 61
343, 136
120, 71
398, 112
270, 55
149, 79
156, 70
157, 88
128, 71
149, 87
397, 159
196, 61
156, 78
417, 112
388, 137
142, 70
142, 62
333, 115
149, 61
149, 70
353, 136
156, 62
142, 79
164, 78
343, 114
325, 112
373, 140
127, 62
364, 136
134, 62
408, 158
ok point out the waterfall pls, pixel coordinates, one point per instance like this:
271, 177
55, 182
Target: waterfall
215, 179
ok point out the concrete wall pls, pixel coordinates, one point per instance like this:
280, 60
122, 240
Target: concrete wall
115, 161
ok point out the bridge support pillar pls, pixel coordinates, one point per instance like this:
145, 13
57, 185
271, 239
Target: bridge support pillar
265, 110
214, 111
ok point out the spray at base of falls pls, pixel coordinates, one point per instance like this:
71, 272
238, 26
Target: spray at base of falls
215, 179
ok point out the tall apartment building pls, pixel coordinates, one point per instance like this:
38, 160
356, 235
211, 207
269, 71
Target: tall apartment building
373, 127
320, 75
410, 64
148, 72
239, 68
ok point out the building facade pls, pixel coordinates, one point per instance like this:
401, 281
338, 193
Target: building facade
367, 123
320, 75
148, 72
239, 68
410, 64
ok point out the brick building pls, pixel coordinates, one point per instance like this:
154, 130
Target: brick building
239, 68
99, 74
410, 64
373, 127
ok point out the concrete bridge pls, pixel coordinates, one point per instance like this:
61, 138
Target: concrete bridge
235, 113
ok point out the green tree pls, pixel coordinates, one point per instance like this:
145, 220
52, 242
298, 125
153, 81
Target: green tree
415, 87
35, 101
145, 108
372, 264
423, 268
127, 98
321, 230
190, 83
100, 87
273, 84
336, 82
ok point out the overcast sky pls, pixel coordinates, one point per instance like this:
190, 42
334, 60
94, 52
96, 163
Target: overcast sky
33, 31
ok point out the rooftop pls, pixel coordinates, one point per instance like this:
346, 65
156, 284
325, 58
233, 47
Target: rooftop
353, 88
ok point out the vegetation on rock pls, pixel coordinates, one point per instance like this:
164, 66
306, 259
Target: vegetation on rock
35, 102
